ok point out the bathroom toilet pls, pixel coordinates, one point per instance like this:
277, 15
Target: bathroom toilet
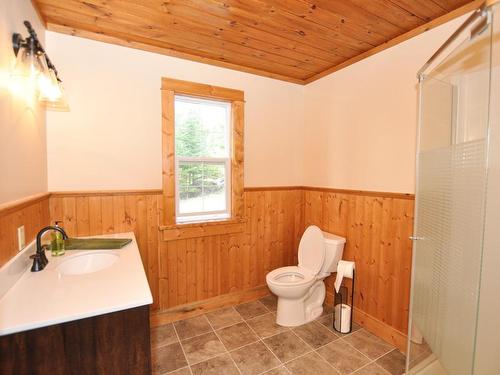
300, 289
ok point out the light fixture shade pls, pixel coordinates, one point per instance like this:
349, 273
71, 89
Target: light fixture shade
27, 63
48, 85
60, 105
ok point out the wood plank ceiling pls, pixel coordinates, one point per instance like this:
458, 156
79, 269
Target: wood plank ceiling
293, 40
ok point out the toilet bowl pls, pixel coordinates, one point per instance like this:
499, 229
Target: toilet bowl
300, 289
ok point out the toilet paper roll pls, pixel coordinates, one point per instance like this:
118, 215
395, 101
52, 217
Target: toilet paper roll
344, 269
343, 319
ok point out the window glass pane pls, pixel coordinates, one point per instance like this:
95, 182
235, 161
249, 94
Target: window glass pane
201, 127
202, 187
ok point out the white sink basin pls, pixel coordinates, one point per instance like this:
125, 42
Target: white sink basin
87, 263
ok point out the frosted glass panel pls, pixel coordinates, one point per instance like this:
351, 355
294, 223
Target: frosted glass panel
450, 207
448, 259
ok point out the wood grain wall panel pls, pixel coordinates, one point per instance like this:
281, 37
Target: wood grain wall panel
192, 269
32, 212
204, 267
377, 230
94, 213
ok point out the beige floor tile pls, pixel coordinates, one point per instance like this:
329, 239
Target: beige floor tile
371, 369
270, 301
287, 346
192, 327
368, 344
393, 362
236, 335
343, 357
223, 318
181, 371
310, 364
277, 371
167, 358
163, 335
203, 347
315, 334
221, 365
254, 359
252, 309
265, 325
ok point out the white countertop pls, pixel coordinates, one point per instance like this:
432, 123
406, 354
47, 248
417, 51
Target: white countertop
44, 298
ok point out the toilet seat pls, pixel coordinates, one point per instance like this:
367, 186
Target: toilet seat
290, 277
312, 250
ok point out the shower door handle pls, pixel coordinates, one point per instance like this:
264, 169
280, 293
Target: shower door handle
416, 238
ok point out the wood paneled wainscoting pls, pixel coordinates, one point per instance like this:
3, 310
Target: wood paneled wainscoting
32, 212
189, 276
183, 272
377, 227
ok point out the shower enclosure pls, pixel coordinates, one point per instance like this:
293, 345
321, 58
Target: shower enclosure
455, 296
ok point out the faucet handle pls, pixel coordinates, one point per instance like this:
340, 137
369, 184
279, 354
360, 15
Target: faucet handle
43, 257
37, 263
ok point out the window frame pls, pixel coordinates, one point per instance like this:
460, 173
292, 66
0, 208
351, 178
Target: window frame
170, 88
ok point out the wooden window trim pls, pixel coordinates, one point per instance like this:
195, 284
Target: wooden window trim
169, 88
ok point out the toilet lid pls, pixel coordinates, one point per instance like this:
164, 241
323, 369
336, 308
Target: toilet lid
312, 249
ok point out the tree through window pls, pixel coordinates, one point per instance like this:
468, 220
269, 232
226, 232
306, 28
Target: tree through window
202, 158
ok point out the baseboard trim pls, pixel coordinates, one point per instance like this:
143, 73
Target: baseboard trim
201, 307
377, 327
381, 329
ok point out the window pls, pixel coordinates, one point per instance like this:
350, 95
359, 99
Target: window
202, 159
202, 152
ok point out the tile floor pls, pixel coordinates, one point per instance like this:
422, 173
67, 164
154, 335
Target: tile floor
245, 339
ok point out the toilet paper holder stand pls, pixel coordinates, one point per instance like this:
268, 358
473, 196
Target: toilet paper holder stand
344, 306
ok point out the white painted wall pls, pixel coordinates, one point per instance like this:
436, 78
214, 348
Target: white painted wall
111, 138
23, 161
354, 129
360, 126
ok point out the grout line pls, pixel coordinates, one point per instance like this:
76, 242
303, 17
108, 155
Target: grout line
226, 326
180, 368
227, 351
182, 348
368, 364
267, 347
200, 334
393, 348
359, 351
324, 359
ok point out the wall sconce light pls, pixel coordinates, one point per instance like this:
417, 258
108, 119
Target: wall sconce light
34, 68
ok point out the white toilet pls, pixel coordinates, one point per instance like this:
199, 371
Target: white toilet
300, 289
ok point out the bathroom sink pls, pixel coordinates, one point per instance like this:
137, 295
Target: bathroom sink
87, 263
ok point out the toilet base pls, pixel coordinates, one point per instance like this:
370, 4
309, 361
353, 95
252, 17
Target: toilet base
295, 312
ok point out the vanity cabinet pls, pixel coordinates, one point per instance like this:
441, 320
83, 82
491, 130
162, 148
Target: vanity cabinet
114, 343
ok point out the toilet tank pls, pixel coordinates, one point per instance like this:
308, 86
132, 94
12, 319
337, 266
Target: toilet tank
334, 248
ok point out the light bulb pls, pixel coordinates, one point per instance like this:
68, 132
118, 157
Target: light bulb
48, 85
24, 76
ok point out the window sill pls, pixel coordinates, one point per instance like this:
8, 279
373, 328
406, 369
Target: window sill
202, 229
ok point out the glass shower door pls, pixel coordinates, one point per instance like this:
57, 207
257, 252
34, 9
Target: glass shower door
450, 201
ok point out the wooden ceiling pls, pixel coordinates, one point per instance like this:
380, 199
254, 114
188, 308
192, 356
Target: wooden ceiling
293, 40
